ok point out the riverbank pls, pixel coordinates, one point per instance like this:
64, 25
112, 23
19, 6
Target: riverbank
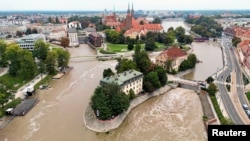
92, 123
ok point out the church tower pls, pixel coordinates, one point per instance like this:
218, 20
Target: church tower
132, 11
128, 11
128, 20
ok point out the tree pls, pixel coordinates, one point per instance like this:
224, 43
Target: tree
41, 50
3, 99
212, 89
150, 45
169, 65
100, 105
130, 46
28, 31
162, 75
13, 55
188, 39
65, 42
124, 65
209, 79
137, 47
131, 94
179, 31
57, 20
50, 20
157, 20
151, 82
109, 101
62, 58
19, 33
28, 66
235, 41
3, 60
34, 31
50, 62
142, 61
107, 73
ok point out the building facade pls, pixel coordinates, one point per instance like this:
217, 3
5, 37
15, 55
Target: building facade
95, 39
73, 38
127, 80
28, 42
173, 54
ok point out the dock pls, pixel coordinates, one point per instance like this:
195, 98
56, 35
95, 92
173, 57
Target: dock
24, 107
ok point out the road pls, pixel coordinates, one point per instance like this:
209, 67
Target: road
235, 98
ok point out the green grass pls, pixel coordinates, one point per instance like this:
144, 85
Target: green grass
160, 46
248, 96
12, 82
117, 47
44, 81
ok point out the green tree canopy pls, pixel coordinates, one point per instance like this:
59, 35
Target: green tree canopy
41, 50
150, 44
13, 54
124, 65
107, 73
50, 62
3, 60
109, 101
235, 41
63, 57
151, 82
28, 68
212, 89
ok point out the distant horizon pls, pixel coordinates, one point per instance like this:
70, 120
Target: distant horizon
122, 5
126, 10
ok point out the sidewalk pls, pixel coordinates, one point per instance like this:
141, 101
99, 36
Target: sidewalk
22, 91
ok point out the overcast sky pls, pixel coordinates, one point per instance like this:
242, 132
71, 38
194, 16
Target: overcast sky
123, 4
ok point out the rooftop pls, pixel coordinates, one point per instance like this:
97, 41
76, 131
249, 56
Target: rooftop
121, 78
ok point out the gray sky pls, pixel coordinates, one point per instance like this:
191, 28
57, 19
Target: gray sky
123, 4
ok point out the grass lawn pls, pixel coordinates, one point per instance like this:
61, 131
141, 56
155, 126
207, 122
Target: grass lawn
160, 46
248, 96
117, 47
12, 82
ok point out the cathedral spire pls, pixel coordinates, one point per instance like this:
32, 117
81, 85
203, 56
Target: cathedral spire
132, 10
128, 12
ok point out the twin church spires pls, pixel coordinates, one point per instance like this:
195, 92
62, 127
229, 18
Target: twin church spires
130, 12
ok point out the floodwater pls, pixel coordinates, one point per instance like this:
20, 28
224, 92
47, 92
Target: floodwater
208, 52
175, 116
175, 23
210, 55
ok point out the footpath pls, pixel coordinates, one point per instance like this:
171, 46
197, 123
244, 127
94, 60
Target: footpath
92, 123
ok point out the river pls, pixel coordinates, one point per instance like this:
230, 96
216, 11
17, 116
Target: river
209, 53
174, 116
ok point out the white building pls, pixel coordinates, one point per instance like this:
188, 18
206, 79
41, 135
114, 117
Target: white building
57, 34
127, 80
74, 24
73, 38
28, 42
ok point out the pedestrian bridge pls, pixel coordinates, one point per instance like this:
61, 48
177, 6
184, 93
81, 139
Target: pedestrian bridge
188, 84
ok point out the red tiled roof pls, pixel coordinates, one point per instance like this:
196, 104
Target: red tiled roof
173, 52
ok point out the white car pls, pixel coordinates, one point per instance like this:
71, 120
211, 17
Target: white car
245, 107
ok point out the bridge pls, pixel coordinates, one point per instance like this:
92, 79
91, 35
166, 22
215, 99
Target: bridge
187, 84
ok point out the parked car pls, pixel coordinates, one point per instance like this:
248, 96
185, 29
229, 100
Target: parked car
245, 107
248, 113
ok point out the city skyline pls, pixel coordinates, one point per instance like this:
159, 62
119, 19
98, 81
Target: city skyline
121, 5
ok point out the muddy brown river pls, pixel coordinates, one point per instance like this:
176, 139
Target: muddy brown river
175, 116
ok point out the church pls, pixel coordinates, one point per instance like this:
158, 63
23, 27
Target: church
133, 27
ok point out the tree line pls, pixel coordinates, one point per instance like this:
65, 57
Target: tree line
26, 65
205, 26
167, 38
